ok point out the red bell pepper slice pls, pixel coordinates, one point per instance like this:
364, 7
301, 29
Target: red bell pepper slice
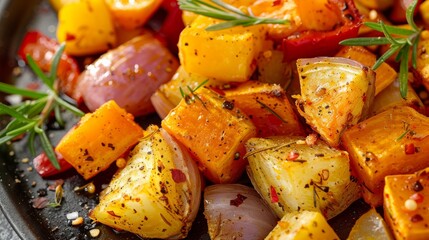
42, 49
173, 24
309, 44
44, 167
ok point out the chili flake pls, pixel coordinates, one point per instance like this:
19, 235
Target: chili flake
178, 175
273, 194
238, 200
293, 155
410, 149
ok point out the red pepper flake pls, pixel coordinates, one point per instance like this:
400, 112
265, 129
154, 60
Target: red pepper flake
57, 182
112, 213
238, 200
40, 202
418, 197
410, 149
273, 194
416, 218
293, 155
277, 2
178, 175
70, 37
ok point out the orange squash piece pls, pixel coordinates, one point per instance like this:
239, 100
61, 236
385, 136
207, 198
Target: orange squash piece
131, 14
395, 141
214, 131
99, 138
268, 107
406, 205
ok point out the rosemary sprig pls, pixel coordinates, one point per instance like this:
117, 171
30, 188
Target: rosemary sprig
191, 96
401, 41
30, 116
223, 11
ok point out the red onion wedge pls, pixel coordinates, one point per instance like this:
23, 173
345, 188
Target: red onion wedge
235, 211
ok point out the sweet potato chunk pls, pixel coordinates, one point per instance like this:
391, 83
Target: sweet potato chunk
214, 131
268, 107
395, 141
407, 222
99, 138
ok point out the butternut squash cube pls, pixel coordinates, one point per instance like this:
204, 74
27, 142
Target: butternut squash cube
268, 107
395, 141
225, 55
406, 219
301, 226
391, 97
384, 75
214, 131
99, 138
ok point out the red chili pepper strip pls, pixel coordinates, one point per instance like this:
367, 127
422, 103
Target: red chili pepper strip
172, 25
309, 44
44, 167
42, 49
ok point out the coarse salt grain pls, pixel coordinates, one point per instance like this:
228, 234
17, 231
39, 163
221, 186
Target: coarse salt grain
72, 215
95, 232
410, 205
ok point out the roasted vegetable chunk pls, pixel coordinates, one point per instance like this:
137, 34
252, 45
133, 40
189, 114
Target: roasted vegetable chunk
385, 74
268, 107
99, 138
395, 141
406, 205
225, 55
301, 226
335, 94
157, 194
86, 27
369, 225
214, 131
292, 175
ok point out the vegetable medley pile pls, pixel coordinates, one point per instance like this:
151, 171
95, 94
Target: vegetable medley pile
259, 89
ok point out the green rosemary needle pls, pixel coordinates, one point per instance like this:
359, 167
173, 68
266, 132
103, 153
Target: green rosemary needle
223, 11
401, 42
30, 116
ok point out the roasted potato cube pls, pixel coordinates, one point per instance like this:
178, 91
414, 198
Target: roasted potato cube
99, 138
301, 226
395, 141
214, 131
225, 55
157, 194
406, 205
335, 94
292, 175
86, 27
384, 75
268, 107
